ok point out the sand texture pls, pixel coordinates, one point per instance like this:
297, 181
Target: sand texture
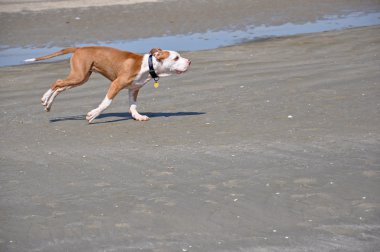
265, 146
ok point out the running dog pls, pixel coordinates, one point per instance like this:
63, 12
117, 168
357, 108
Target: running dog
124, 69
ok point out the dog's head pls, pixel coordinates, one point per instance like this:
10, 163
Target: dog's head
169, 62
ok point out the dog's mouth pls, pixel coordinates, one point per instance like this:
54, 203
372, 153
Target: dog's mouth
178, 71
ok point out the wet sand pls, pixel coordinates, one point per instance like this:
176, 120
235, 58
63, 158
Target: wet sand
266, 146
57, 26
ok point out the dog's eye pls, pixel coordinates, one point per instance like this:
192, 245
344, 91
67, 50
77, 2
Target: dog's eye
176, 58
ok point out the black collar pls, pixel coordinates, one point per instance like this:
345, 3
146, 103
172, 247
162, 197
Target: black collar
151, 69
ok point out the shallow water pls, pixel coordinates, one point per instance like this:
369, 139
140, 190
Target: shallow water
203, 41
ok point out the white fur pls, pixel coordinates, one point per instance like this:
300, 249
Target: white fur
51, 99
133, 107
143, 75
49, 96
46, 96
169, 65
96, 112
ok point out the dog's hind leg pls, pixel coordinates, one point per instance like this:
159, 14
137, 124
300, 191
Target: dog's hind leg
50, 95
80, 73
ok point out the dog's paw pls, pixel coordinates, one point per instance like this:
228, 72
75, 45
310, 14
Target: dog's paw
45, 98
140, 118
44, 101
92, 115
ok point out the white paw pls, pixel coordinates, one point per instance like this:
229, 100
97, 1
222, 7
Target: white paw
44, 101
45, 97
48, 104
140, 118
92, 115
50, 101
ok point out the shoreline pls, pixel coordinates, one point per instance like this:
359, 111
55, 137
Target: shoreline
88, 25
203, 41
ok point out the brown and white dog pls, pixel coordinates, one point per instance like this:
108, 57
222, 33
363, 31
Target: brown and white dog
124, 69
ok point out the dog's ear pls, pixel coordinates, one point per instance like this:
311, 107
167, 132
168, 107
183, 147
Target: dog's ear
159, 54
155, 50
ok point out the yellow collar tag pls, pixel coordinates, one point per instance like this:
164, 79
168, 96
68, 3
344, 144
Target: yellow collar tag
156, 84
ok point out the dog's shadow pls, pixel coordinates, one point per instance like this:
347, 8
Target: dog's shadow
124, 116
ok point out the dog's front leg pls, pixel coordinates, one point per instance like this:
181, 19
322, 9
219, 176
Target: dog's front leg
114, 89
96, 112
133, 105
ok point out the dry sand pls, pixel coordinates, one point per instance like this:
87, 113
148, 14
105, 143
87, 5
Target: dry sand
267, 146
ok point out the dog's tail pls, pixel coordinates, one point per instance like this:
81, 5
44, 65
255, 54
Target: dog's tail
62, 52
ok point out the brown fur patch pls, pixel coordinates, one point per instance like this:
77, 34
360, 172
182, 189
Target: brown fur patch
159, 54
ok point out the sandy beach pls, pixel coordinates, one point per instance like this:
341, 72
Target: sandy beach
270, 145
